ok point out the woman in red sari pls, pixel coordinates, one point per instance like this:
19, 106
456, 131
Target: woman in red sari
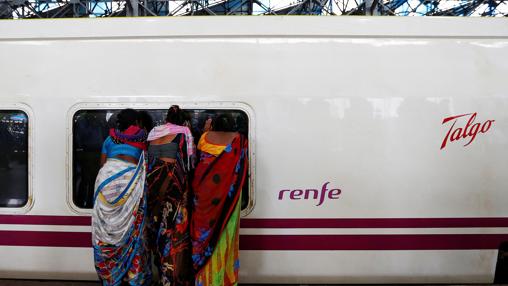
217, 185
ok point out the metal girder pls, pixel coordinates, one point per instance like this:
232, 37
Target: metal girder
118, 8
5, 11
465, 9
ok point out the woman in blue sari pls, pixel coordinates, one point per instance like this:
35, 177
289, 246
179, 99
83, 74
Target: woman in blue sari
119, 212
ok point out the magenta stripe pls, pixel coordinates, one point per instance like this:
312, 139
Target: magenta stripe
45, 238
372, 242
290, 242
45, 220
295, 222
375, 222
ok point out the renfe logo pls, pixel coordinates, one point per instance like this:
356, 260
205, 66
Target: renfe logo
470, 130
298, 194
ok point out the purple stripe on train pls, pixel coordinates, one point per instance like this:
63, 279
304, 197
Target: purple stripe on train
288, 242
451, 222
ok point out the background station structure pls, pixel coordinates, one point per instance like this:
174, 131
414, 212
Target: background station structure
19, 9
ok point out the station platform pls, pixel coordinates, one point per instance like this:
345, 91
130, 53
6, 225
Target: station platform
9, 282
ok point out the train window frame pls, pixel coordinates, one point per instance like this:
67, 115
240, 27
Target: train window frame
229, 105
30, 158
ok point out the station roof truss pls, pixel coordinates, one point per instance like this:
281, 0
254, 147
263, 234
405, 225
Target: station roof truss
19, 9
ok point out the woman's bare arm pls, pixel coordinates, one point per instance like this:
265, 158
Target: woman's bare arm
103, 159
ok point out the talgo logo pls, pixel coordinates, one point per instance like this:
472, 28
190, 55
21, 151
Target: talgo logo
469, 131
312, 194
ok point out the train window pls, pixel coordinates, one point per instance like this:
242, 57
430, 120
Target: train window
13, 158
91, 128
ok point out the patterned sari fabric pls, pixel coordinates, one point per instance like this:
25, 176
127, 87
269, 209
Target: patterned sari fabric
217, 187
168, 201
118, 222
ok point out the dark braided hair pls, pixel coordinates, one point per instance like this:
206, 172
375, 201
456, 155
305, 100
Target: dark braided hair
126, 118
145, 120
224, 122
175, 115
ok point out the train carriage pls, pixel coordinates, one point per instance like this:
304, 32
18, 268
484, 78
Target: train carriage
378, 146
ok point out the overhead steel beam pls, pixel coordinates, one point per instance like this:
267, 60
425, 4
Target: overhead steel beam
118, 8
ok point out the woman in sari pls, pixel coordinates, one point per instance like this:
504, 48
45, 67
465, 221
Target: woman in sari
217, 185
118, 218
170, 151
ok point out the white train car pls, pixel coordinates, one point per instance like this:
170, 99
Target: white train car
378, 146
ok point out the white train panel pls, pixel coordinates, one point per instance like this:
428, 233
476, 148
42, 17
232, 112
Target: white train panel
378, 145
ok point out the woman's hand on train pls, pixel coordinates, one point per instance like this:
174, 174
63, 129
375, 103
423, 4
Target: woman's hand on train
193, 161
208, 125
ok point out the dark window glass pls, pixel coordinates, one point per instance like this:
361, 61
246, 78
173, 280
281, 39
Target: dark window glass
91, 128
13, 158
